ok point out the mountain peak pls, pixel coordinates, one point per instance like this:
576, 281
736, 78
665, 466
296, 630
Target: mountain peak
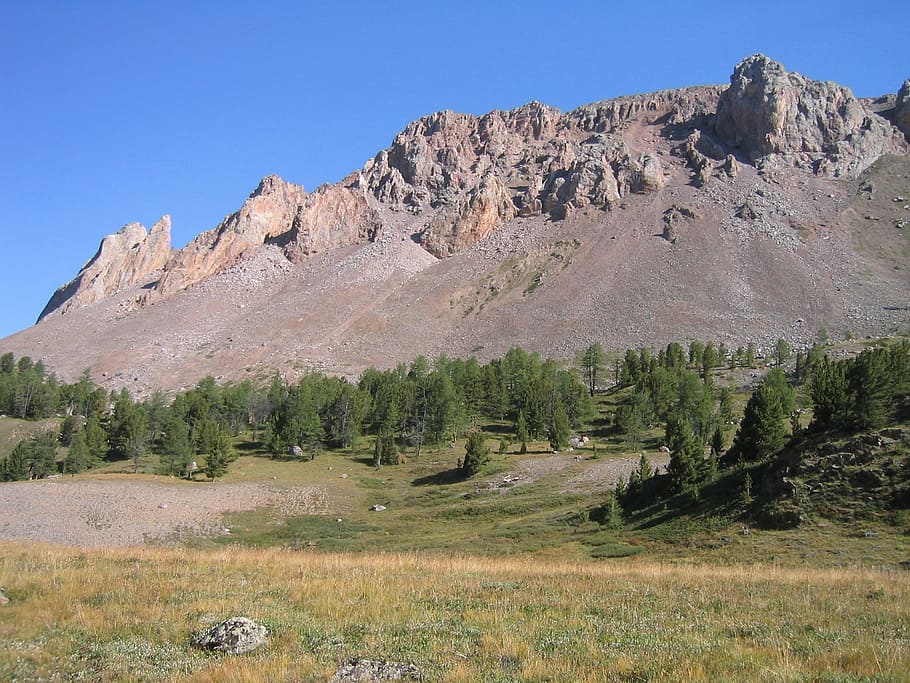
683, 210
775, 117
124, 258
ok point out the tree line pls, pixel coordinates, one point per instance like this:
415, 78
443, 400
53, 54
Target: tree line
427, 403
410, 406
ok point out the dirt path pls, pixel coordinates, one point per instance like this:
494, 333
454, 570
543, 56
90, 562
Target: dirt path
580, 474
117, 513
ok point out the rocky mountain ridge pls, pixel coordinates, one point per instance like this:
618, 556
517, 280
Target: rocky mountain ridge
462, 233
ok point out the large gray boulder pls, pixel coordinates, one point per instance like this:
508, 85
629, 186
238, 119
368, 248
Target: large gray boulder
234, 636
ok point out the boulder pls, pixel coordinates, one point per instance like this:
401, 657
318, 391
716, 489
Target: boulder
373, 670
235, 636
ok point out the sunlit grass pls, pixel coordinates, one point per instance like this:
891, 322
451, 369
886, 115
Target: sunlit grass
129, 615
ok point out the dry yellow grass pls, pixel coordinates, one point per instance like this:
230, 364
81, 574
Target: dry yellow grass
129, 614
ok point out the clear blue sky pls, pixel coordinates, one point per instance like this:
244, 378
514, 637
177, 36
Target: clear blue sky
112, 112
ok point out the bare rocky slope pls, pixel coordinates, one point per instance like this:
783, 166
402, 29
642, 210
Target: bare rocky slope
777, 206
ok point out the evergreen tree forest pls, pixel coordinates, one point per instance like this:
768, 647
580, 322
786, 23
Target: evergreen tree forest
404, 408
666, 397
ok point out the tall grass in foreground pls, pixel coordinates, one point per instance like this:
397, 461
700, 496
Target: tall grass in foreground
129, 614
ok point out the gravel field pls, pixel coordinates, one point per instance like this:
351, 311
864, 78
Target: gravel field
117, 513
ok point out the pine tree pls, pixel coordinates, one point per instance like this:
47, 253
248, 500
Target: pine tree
96, 437
696, 351
725, 405
79, 457
717, 442
559, 429
782, 352
521, 432
686, 456
215, 447
869, 384
128, 432
15, 467
645, 471
384, 450
477, 454
173, 446
763, 430
614, 513
68, 429
745, 495
593, 362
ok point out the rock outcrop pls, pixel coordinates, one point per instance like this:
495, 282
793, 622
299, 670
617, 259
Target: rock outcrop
471, 219
127, 257
332, 216
268, 212
471, 174
277, 212
768, 112
902, 109
360, 670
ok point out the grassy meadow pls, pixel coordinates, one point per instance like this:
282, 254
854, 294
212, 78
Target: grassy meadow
469, 582
129, 614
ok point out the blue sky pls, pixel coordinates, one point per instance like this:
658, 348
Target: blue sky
112, 112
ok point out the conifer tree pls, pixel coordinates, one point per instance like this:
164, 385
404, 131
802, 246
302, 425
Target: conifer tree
215, 447
686, 456
477, 454
593, 362
521, 432
79, 457
717, 442
782, 352
559, 429
763, 430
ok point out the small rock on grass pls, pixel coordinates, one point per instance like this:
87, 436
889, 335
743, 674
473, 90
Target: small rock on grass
370, 670
235, 636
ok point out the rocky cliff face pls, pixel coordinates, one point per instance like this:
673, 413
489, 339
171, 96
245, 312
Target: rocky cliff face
770, 114
469, 175
267, 212
902, 109
277, 212
453, 180
127, 257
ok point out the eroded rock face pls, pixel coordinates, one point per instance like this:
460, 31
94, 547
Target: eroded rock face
454, 179
902, 109
818, 125
127, 257
471, 219
268, 212
277, 212
472, 174
332, 216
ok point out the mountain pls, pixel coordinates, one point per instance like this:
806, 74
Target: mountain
743, 213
